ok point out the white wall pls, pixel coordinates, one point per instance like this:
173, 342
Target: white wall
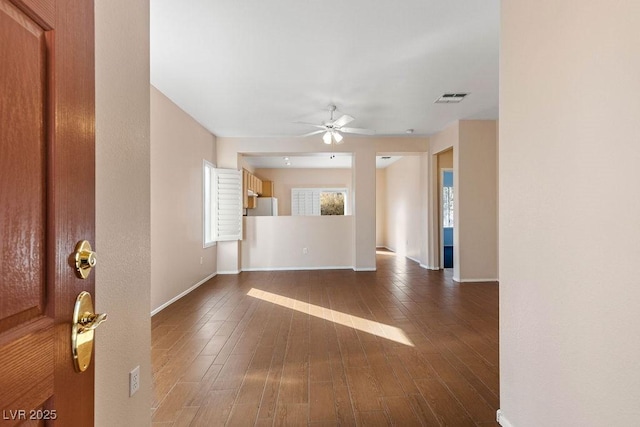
277, 242
122, 211
286, 179
569, 210
403, 202
178, 147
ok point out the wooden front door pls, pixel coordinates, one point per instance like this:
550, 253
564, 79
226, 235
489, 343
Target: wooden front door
46, 205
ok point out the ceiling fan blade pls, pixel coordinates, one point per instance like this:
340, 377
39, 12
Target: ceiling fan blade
358, 130
342, 121
315, 132
310, 124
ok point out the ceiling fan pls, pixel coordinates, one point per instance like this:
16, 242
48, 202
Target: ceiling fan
333, 129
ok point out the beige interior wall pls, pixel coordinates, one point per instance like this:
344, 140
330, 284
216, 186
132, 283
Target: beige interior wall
122, 211
179, 146
364, 151
381, 207
363, 202
443, 141
569, 234
425, 209
475, 165
286, 179
445, 159
243, 164
278, 242
475, 181
404, 201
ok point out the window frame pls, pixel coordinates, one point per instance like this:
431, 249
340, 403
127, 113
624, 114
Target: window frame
208, 204
319, 191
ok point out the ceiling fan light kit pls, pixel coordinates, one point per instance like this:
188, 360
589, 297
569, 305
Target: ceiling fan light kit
337, 137
333, 129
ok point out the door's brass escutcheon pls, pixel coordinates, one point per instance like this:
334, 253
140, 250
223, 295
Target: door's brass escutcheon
85, 321
85, 259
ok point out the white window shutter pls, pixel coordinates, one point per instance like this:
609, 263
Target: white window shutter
228, 211
295, 202
315, 202
305, 201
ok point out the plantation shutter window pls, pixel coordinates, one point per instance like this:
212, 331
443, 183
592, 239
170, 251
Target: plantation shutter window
305, 201
227, 218
319, 201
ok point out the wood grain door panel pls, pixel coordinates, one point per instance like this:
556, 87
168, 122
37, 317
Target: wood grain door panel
46, 204
22, 166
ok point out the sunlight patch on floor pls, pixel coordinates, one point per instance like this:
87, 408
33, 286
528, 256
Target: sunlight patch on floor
365, 325
385, 252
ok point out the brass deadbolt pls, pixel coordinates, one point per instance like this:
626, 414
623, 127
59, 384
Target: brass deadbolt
85, 259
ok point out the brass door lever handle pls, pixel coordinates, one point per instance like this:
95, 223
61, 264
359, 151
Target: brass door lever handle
90, 321
83, 326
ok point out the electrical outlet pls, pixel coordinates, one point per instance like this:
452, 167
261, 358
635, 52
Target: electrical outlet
201, 260
134, 381
305, 251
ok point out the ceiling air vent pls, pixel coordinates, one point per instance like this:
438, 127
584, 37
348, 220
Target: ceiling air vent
449, 98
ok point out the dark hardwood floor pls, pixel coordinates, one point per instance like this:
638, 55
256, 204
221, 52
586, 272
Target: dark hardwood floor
401, 346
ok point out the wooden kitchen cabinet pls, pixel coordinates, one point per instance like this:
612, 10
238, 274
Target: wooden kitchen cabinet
245, 189
267, 189
251, 184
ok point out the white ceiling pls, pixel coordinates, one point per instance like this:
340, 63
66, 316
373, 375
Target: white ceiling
310, 161
253, 67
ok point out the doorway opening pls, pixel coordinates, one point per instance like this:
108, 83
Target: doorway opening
447, 226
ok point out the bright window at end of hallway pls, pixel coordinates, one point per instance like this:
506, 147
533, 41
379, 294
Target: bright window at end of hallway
447, 206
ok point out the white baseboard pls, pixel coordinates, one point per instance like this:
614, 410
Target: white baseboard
500, 418
177, 297
229, 272
475, 280
413, 259
427, 267
342, 267
334, 267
